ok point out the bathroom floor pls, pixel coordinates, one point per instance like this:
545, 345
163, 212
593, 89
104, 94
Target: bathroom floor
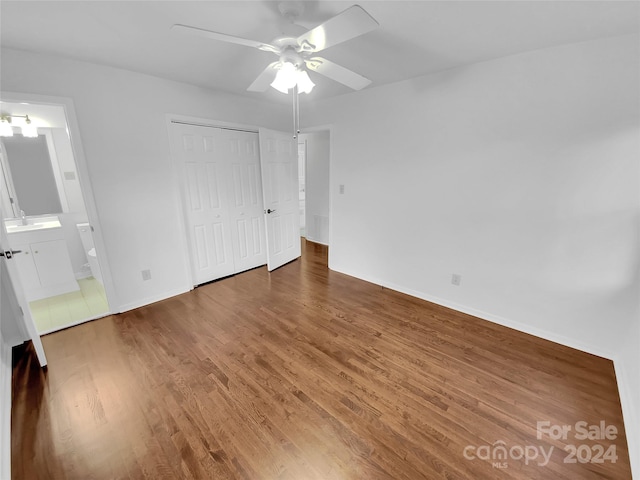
54, 313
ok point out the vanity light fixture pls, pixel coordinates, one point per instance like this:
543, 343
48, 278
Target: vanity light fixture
28, 128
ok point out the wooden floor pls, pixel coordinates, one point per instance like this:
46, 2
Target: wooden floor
305, 374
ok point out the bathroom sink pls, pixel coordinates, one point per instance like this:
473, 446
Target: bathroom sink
14, 225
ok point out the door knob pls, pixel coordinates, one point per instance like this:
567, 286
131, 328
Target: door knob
9, 253
270, 211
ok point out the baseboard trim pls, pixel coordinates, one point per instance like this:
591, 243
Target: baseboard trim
5, 410
153, 299
521, 327
629, 409
82, 275
311, 239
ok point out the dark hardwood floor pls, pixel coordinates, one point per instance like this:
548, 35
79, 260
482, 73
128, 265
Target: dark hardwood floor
304, 373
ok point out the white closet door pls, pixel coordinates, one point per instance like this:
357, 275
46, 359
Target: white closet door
199, 151
279, 167
245, 199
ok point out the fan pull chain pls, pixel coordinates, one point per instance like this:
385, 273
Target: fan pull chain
296, 113
297, 93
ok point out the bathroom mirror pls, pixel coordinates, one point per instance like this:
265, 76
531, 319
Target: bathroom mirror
35, 186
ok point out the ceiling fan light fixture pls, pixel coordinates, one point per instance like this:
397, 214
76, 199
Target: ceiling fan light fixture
286, 77
305, 85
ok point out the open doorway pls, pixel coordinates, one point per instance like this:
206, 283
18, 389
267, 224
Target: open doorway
46, 219
314, 155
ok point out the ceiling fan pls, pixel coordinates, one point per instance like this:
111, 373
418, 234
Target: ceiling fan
297, 54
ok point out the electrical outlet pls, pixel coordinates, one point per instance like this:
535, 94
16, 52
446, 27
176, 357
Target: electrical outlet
146, 275
456, 279
341, 189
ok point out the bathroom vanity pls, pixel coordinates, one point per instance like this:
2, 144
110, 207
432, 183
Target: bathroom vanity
43, 261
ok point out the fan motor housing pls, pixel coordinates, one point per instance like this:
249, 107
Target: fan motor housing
289, 50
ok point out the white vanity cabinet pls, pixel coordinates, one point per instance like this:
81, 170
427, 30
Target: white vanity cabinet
43, 263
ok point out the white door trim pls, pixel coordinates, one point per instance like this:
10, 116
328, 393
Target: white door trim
208, 122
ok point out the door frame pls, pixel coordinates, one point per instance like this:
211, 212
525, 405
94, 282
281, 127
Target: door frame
83, 178
178, 184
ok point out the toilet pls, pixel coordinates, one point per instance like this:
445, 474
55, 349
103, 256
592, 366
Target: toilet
84, 229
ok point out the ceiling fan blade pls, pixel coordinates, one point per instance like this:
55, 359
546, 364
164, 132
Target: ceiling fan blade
261, 84
223, 37
336, 72
351, 23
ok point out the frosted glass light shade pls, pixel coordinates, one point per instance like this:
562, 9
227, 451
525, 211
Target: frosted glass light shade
29, 130
285, 78
288, 76
305, 85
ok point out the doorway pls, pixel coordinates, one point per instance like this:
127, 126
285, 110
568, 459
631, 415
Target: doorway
314, 156
60, 267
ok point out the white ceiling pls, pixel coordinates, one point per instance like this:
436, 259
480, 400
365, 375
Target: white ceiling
414, 37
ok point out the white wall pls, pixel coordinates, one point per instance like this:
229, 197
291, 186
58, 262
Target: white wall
77, 212
317, 186
66, 164
125, 140
520, 174
77, 255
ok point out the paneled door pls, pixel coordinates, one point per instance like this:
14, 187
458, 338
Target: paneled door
245, 200
279, 166
200, 151
222, 197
